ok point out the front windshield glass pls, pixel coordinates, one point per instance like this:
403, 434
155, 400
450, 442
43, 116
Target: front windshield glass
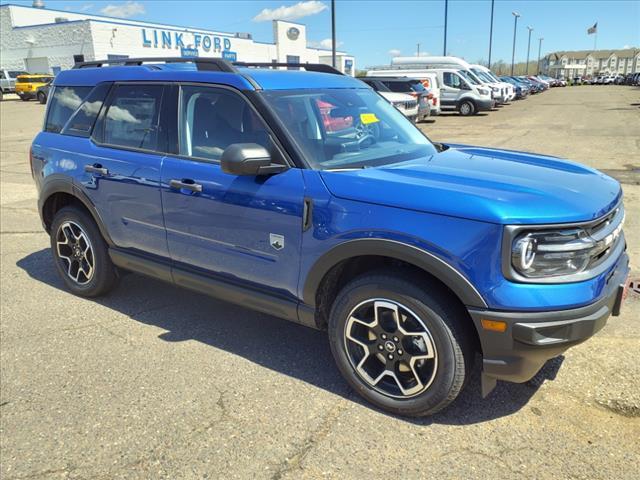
471, 78
483, 76
347, 128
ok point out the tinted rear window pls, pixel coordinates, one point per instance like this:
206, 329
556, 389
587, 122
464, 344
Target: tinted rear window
64, 102
82, 120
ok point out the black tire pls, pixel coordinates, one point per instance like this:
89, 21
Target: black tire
104, 274
42, 97
445, 321
466, 108
1, 95
24, 98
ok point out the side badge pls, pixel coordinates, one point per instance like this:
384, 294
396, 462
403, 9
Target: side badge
277, 241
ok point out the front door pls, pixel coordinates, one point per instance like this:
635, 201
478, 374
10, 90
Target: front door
243, 228
450, 90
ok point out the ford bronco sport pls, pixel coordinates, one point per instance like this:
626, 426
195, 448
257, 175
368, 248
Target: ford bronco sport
228, 179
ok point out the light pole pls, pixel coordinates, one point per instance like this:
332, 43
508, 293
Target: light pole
515, 25
490, 33
446, 7
539, 50
528, 48
333, 33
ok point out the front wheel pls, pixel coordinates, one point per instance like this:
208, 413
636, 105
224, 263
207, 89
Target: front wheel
42, 97
80, 253
400, 344
24, 98
467, 108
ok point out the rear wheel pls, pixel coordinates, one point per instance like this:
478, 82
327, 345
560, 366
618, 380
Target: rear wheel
400, 344
81, 254
466, 108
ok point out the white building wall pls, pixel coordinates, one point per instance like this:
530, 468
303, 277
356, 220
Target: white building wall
59, 43
29, 32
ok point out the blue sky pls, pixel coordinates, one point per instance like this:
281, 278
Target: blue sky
370, 30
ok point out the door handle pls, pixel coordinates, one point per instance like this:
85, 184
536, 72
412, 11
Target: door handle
185, 183
96, 168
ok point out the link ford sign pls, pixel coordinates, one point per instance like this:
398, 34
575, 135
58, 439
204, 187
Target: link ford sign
152, 38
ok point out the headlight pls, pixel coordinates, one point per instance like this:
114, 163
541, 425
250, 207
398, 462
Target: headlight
482, 91
552, 253
563, 253
495, 89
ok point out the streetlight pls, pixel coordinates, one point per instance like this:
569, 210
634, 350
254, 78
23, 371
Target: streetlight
529, 48
515, 25
539, 49
446, 7
333, 33
490, 34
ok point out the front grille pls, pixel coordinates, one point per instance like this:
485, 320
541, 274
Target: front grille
410, 105
607, 232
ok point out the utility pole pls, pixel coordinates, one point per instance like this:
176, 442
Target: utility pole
446, 7
418, 54
529, 48
491, 33
333, 33
539, 50
515, 26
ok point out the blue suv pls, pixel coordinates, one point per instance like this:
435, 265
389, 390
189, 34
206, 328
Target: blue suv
305, 195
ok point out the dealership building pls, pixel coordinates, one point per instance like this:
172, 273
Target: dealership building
40, 40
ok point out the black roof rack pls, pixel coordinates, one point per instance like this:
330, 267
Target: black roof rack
209, 64
310, 67
204, 64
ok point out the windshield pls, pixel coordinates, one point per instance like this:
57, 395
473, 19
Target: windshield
347, 128
471, 78
483, 76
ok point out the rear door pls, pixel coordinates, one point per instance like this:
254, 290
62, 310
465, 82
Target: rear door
245, 229
121, 166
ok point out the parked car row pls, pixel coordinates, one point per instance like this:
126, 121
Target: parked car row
610, 79
450, 84
27, 86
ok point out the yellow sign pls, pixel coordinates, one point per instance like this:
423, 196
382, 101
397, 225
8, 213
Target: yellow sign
367, 118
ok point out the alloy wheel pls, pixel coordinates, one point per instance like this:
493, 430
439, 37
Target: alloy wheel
390, 348
76, 252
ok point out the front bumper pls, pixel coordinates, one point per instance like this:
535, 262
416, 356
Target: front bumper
532, 338
485, 105
26, 94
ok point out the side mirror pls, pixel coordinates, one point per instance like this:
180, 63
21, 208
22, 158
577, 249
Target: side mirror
248, 159
465, 86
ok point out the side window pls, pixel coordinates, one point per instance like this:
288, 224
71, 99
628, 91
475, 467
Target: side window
451, 80
132, 117
211, 119
81, 122
1, 75
63, 103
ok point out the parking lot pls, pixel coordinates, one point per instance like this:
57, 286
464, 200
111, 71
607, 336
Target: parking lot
157, 382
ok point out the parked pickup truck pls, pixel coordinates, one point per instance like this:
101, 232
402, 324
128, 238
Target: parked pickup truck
8, 81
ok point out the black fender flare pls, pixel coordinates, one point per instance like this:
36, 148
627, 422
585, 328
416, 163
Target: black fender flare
413, 255
62, 184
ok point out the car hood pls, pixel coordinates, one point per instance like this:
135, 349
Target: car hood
490, 185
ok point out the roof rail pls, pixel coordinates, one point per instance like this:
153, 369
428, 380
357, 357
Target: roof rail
204, 64
309, 67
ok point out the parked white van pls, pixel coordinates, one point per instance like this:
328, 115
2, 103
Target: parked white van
482, 70
498, 91
460, 91
428, 79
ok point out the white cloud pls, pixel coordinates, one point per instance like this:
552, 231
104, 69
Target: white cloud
394, 52
299, 10
326, 43
123, 10
626, 47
